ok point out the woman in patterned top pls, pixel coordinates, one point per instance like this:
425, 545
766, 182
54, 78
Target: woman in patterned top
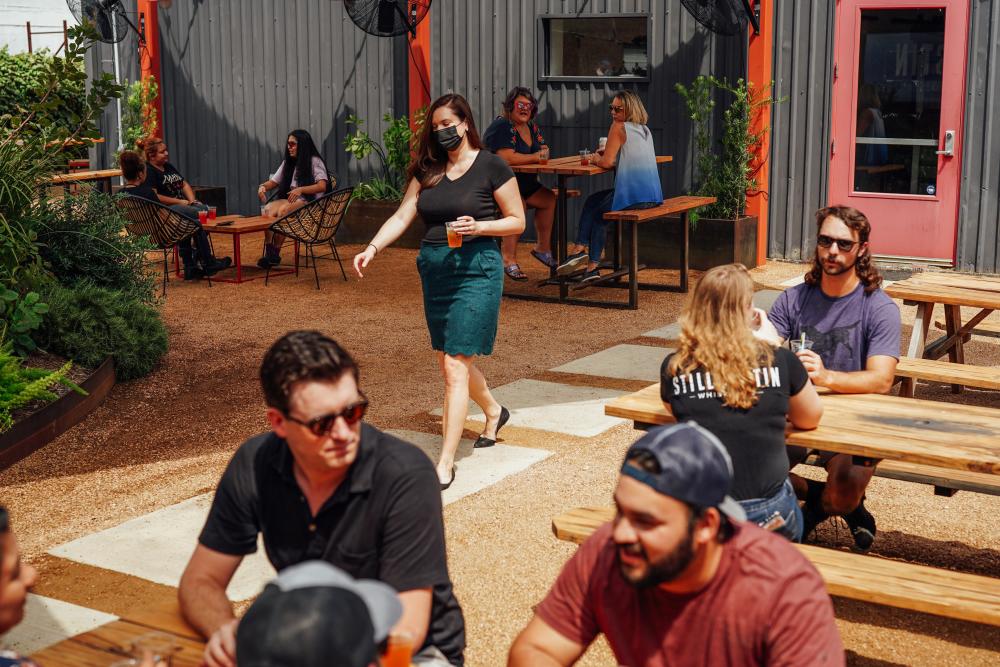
516, 138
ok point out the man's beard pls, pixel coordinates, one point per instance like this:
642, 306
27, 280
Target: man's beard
837, 269
664, 570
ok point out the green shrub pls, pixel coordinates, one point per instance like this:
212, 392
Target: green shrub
87, 323
80, 240
25, 77
138, 111
393, 153
20, 386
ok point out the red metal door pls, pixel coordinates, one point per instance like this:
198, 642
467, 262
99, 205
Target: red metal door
898, 90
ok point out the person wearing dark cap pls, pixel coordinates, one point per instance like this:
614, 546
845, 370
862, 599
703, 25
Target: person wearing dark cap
679, 578
324, 485
315, 615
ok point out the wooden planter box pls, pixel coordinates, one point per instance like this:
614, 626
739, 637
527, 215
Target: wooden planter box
42, 427
712, 242
364, 217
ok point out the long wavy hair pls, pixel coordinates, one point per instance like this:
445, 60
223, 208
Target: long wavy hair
864, 266
301, 165
432, 159
715, 335
149, 146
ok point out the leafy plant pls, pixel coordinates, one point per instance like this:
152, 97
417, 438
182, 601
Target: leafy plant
80, 240
20, 386
22, 315
25, 77
87, 323
398, 140
731, 173
139, 111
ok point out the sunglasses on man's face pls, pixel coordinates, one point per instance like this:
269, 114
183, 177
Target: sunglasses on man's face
524, 106
615, 108
321, 426
845, 245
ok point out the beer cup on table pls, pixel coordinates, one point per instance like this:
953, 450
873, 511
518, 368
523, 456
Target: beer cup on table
543, 155
454, 238
585, 157
211, 212
601, 143
398, 651
203, 217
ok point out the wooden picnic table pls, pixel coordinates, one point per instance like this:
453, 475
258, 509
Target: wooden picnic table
927, 289
110, 642
874, 426
565, 168
236, 227
103, 176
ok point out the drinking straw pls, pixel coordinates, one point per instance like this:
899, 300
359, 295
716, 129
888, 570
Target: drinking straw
803, 343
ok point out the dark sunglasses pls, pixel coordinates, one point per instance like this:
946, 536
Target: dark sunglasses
845, 245
320, 426
524, 106
616, 109
292, 143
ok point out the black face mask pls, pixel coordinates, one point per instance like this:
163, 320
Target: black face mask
448, 137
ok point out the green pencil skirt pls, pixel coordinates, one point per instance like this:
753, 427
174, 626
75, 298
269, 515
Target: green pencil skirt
462, 288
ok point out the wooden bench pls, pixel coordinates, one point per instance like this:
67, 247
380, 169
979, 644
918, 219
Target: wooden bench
631, 219
946, 481
910, 369
930, 590
982, 329
570, 193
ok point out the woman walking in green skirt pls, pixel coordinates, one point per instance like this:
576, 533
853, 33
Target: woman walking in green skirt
466, 196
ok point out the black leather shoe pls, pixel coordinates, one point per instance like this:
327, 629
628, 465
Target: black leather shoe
446, 485
217, 265
483, 441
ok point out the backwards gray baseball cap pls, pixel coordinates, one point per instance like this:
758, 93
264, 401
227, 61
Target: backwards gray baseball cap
694, 467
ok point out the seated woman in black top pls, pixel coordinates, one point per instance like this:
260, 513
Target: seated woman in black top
454, 181
301, 177
728, 376
196, 251
170, 186
516, 138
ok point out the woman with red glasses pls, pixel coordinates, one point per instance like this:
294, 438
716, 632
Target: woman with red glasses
516, 138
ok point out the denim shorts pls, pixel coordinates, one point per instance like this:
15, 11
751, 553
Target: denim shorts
783, 504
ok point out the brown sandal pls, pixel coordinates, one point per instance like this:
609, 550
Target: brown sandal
514, 272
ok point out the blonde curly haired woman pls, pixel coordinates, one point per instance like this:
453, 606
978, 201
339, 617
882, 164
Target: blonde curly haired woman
729, 375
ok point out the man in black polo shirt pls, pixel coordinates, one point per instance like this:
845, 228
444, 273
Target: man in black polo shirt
323, 485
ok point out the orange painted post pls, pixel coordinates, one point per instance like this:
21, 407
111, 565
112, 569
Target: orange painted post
420, 67
759, 60
149, 56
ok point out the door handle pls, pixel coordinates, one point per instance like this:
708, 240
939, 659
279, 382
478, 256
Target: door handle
949, 144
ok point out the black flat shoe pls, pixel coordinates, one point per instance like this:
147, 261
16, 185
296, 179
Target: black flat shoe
483, 441
444, 485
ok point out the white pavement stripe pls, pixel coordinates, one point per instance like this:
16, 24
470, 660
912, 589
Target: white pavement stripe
626, 362
550, 406
669, 332
157, 546
48, 621
477, 468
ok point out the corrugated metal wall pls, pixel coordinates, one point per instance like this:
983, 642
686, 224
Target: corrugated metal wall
979, 211
482, 49
803, 70
238, 75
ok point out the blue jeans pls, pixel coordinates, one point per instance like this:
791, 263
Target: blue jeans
593, 231
194, 248
783, 503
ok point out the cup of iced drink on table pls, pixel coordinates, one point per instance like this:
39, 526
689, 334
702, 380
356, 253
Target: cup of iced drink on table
203, 217
585, 157
211, 212
398, 651
601, 143
543, 155
454, 238
801, 343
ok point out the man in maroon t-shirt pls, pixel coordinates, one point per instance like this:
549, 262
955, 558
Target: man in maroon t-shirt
678, 578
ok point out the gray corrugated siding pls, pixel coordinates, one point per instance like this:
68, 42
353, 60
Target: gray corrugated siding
238, 75
978, 212
482, 49
802, 71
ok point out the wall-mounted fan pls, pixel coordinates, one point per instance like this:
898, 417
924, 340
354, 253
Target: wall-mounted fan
107, 17
725, 17
387, 18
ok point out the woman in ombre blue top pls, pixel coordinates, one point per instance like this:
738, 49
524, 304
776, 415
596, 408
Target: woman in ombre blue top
637, 183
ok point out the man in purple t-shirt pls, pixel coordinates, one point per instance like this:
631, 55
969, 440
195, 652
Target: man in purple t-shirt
854, 328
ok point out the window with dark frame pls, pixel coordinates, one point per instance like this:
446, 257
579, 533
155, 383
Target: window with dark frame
595, 47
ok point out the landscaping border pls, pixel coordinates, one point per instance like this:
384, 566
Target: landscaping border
45, 425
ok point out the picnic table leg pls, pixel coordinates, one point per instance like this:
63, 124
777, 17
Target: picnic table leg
684, 252
236, 258
562, 216
921, 322
633, 264
952, 323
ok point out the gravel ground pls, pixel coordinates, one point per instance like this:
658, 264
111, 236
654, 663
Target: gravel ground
167, 437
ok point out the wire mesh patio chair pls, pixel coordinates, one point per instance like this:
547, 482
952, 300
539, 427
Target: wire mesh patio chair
315, 224
164, 226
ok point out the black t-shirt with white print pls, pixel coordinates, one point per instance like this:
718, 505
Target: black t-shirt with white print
169, 182
754, 437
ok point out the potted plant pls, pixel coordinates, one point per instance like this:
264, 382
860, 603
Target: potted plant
377, 198
725, 169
